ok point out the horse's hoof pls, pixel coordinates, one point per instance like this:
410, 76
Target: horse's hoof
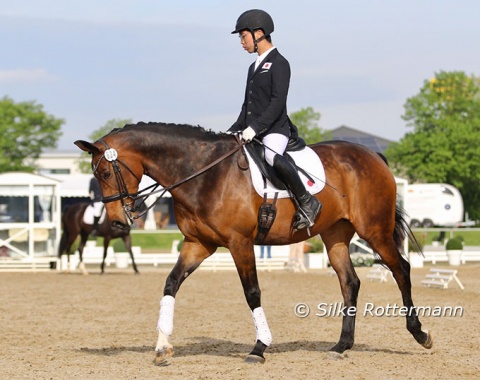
254, 359
161, 356
429, 342
336, 355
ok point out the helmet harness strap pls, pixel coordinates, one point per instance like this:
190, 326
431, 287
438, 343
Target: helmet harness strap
255, 41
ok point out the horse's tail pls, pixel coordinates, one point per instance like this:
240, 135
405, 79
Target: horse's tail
402, 230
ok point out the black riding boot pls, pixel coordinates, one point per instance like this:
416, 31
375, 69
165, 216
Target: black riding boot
309, 206
95, 226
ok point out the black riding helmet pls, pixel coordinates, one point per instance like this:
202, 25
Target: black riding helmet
252, 20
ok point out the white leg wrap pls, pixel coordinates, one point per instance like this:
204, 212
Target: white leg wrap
263, 332
165, 320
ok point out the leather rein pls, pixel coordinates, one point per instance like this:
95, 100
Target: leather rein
111, 155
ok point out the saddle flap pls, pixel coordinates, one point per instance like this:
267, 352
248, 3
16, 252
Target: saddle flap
309, 166
257, 153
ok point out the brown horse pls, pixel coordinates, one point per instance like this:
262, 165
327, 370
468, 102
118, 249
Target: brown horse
216, 205
73, 225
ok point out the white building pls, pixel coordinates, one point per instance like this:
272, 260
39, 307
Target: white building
59, 162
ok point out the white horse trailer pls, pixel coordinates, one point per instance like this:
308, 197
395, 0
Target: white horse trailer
434, 204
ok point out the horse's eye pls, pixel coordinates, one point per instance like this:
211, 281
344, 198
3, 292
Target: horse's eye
106, 175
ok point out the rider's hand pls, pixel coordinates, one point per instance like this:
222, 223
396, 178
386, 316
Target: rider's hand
248, 134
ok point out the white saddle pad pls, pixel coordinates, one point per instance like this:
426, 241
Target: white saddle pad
306, 159
89, 214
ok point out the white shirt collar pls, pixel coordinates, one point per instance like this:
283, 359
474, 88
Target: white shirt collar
262, 57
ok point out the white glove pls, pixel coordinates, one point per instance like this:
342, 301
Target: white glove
248, 134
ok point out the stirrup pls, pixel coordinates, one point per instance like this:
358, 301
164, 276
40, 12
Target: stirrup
301, 221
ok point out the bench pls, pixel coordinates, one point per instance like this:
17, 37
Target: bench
378, 273
441, 278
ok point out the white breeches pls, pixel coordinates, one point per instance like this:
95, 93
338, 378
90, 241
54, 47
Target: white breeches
97, 209
275, 143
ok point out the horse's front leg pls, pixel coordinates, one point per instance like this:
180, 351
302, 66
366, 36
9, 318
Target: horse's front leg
245, 263
191, 256
81, 247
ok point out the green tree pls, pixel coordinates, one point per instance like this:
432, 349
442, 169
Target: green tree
307, 122
25, 131
445, 143
84, 163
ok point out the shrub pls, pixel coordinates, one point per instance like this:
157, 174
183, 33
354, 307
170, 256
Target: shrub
315, 245
118, 245
362, 260
454, 244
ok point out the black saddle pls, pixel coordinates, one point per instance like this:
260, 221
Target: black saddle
257, 153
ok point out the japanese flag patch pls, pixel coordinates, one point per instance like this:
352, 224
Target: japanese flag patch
266, 65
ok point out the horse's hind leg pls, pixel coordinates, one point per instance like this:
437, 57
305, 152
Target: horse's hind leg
191, 256
400, 268
337, 241
67, 240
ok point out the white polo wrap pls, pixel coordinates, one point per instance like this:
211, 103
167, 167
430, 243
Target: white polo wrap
263, 331
165, 320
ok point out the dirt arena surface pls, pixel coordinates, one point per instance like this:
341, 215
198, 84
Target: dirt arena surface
69, 326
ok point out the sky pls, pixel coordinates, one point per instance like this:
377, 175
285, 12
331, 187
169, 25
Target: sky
355, 62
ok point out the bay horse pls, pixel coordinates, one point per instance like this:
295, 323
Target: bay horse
216, 205
73, 225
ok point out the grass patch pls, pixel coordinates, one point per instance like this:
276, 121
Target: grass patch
155, 242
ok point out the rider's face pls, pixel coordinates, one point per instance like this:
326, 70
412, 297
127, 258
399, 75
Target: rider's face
246, 40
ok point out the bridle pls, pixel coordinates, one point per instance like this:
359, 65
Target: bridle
129, 208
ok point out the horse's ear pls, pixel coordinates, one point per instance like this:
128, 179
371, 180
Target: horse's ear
86, 146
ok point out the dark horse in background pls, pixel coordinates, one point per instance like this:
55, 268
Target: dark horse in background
73, 225
216, 205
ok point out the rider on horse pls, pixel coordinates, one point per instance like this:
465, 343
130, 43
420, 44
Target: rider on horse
264, 110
